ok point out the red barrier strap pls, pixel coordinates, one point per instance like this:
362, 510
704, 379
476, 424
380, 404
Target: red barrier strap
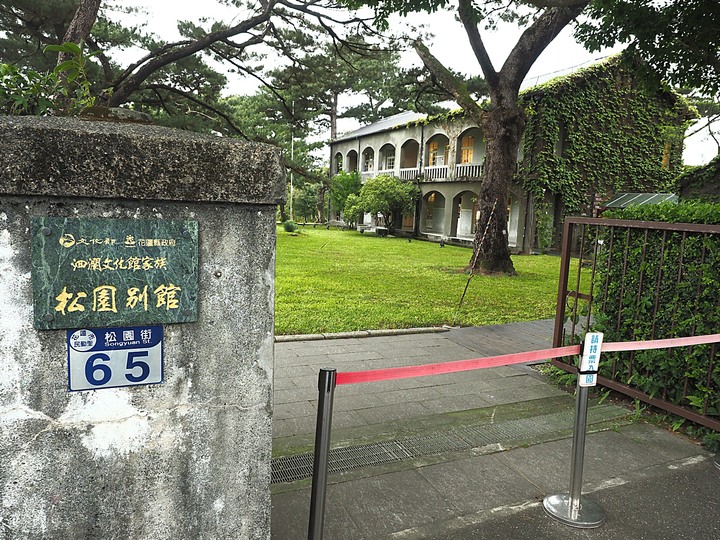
352, 377
373, 375
659, 343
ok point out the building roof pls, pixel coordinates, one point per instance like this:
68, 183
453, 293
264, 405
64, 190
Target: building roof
384, 124
623, 200
620, 62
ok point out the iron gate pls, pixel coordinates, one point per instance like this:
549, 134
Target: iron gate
645, 280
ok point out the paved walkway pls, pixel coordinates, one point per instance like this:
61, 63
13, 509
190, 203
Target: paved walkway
297, 364
473, 454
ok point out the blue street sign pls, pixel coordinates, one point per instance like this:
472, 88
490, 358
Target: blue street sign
114, 357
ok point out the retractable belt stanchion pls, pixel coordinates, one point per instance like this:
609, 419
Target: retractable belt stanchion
326, 394
573, 509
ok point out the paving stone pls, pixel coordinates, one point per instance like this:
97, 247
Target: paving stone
389, 413
653, 484
294, 507
296, 409
475, 484
455, 403
294, 394
376, 509
293, 426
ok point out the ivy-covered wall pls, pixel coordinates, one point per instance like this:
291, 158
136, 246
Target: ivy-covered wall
598, 132
701, 182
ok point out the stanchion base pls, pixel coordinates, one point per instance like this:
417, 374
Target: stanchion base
589, 516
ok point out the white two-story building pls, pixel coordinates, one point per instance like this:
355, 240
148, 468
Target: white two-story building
444, 155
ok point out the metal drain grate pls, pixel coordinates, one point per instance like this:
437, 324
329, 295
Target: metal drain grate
291, 468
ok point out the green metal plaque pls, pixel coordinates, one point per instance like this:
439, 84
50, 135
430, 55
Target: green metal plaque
113, 272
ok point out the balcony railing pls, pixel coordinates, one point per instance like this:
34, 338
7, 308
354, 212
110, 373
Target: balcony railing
436, 172
468, 170
390, 172
364, 176
409, 173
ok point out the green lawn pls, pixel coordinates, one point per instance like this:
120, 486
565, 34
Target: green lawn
336, 281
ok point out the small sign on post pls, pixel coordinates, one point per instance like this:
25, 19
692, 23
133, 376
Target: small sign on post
573, 508
587, 375
114, 357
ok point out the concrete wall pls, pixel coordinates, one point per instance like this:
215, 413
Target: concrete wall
187, 459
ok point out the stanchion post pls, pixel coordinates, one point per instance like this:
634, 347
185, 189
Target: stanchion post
573, 509
326, 395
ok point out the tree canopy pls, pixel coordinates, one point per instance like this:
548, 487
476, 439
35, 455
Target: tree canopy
637, 22
173, 78
320, 55
389, 197
679, 40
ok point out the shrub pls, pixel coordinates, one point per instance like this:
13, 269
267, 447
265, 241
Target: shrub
352, 210
290, 226
26, 92
388, 196
343, 185
66, 90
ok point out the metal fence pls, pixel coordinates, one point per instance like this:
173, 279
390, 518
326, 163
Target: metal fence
633, 279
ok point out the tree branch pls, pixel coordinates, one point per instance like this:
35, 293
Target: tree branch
132, 67
228, 120
535, 39
80, 26
553, 3
710, 120
197, 101
125, 89
104, 61
447, 80
467, 16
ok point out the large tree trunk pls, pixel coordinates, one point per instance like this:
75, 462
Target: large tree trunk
503, 127
321, 204
81, 25
504, 124
333, 117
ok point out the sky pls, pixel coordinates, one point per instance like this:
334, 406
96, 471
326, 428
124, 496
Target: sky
450, 45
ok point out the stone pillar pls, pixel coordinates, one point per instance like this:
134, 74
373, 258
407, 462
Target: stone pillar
185, 459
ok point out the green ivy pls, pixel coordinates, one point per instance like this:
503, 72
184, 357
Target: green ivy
638, 128
701, 182
669, 289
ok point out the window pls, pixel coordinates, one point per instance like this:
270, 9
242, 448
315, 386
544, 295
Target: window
387, 157
432, 153
467, 146
367, 161
434, 156
562, 143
